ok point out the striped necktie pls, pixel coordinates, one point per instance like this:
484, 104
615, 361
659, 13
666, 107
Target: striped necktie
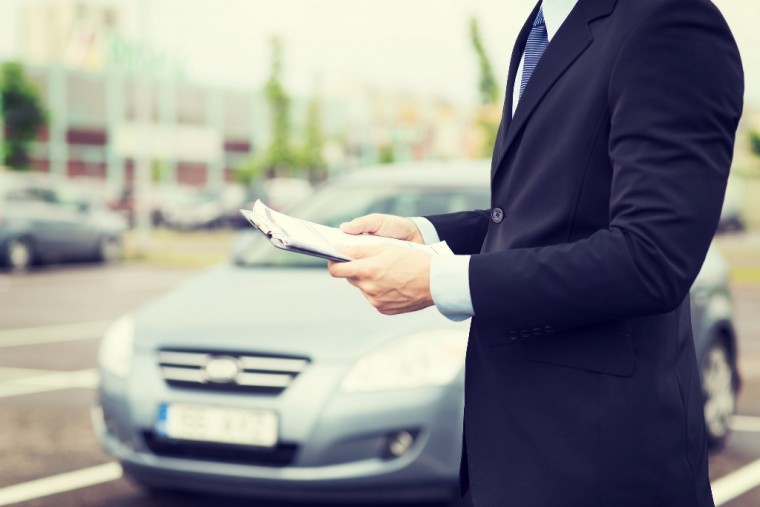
534, 48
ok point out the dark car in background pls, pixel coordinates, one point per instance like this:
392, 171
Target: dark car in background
45, 219
265, 376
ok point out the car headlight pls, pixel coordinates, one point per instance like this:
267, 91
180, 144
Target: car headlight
115, 355
430, 358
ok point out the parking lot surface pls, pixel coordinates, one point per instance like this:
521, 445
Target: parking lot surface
50, 324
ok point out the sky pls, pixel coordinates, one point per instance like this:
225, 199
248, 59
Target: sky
419, 45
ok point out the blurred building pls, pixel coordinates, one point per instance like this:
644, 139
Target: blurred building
90, 78
194, 134
68, 31
112, 102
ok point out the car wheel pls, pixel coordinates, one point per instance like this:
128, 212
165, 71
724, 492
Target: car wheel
719, 390
109, 249
19, 254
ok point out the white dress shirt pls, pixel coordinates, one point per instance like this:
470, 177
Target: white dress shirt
450, 275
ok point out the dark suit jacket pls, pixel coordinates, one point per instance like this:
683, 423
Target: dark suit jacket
582, 385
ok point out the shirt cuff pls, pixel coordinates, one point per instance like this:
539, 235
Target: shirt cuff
450, 286
427, 229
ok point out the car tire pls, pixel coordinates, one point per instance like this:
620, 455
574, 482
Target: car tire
19, 254
718, 374
110, 249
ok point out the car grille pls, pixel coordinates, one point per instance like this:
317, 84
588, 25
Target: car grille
280, 456
243, 372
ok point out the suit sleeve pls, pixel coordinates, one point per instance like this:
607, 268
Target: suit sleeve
464, 231
675, 97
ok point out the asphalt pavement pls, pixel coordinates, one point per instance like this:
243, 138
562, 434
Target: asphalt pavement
50, 324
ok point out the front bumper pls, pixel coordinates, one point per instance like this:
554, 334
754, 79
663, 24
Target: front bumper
340, 442
365, 482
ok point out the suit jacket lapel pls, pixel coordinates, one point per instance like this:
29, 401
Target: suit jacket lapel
572, 39
514, 64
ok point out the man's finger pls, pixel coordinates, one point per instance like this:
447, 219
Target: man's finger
361, 251
368, 224
341, 269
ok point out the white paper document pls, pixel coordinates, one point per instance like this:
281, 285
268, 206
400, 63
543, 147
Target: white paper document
308, 238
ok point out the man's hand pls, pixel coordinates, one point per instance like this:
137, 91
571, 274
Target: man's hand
388, 226
394, 279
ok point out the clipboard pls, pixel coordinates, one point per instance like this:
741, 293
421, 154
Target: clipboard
309, 238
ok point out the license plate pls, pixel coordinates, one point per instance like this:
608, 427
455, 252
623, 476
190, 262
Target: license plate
220, 425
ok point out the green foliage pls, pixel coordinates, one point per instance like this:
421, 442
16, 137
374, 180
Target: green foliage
487, 118
23, 114
754, 142
311, 158
252, 170
157, 171
489, 90
280, 153
279, 157
386, 155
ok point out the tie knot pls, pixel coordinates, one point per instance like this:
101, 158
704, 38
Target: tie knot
539, 21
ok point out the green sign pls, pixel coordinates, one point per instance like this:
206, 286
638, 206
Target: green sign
139, 58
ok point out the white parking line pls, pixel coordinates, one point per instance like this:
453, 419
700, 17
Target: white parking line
52, 334
45, 381
745, 423
60, 483
736, 483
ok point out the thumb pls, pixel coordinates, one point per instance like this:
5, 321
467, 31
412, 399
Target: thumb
368, 224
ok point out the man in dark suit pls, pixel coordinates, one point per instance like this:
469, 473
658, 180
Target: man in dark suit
582, 385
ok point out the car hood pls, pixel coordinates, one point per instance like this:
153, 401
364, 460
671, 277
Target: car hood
300, 312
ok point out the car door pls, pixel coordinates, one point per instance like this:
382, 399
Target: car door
76, 223
58, 224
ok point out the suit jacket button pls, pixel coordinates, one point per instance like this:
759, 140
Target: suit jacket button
497, 215
549, 329
525, 333
537, 331
512, 335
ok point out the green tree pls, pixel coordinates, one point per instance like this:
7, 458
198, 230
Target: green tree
489, 90
23, 114
311, 157
157, 171
754, 142
280, 153
252, 170
387, 155
487, 117
279, 156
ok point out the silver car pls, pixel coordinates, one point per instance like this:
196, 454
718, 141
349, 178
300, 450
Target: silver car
267, 377
48, 219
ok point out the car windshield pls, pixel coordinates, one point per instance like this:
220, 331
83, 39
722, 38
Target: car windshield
340, 203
